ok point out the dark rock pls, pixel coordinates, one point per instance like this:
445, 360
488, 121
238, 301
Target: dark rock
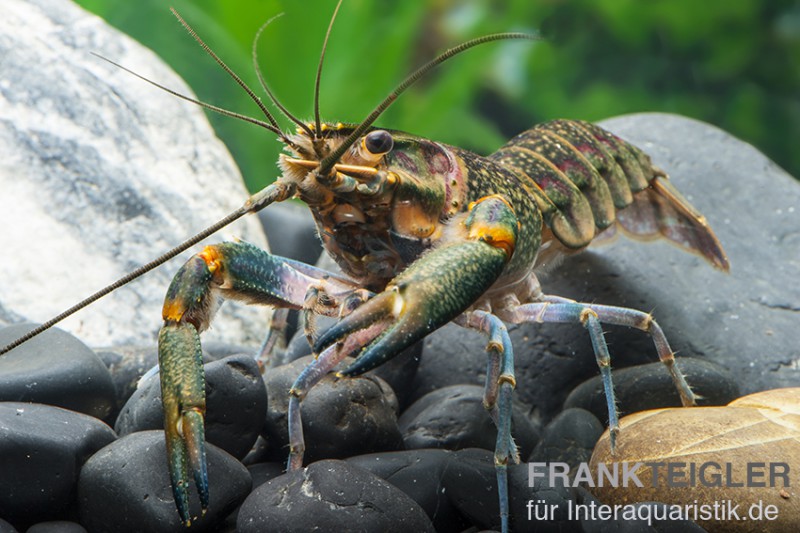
569, 438
125, 487
330, 496
341, 417
42, 449
470, 480
236, 404
5, 527
131, 170
454, 418
291, 232
649, 386
257, 453
57, 369
263, 472
127, 364
57, 526
418, 473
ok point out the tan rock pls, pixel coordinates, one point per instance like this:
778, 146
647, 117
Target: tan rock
719, 462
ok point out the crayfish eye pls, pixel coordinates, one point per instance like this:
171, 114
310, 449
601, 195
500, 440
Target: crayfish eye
378, 142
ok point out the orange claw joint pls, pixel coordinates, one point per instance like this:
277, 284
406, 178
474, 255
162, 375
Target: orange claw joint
433, 290
183, 396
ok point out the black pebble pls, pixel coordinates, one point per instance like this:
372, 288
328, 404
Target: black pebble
125, 487
418, 473
650, 386
42, 449
569, 438
454, 418
341, 416
236, 402
330, 496
470, 481
57, 369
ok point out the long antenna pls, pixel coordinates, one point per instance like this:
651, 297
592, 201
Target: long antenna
263, 81
328, 161
317, 121
204, 105
276, 192
226, 68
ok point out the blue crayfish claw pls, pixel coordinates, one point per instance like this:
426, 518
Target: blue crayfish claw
183, 396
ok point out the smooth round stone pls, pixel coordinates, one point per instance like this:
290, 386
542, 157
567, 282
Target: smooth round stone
56, 526
569, 438
42, 449
236, 404
454, 418
738, 454
5, 527
330, 496
125, 487
342, 417
418, 473
55, 368
470, 481
643, 387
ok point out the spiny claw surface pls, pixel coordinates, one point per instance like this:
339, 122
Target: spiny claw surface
435, 289
426, 296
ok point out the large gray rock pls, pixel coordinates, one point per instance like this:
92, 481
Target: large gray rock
100, 173
746, 321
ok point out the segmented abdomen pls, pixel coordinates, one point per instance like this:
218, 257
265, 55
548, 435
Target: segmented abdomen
585, 179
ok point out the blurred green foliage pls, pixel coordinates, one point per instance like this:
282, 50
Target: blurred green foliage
733, 63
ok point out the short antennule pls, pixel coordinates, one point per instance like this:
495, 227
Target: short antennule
327, 163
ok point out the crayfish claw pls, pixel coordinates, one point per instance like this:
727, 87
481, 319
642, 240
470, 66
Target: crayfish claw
183, 398
186, 451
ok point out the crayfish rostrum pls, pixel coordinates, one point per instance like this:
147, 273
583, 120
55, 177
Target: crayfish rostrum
424, 234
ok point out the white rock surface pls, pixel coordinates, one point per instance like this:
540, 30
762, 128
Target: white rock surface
100, 173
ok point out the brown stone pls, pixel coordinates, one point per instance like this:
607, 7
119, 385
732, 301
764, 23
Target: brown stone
746, 454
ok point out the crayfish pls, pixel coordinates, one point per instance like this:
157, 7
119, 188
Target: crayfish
424, 234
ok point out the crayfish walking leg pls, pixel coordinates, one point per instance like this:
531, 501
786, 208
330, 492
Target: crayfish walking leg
591, 316
497, 398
